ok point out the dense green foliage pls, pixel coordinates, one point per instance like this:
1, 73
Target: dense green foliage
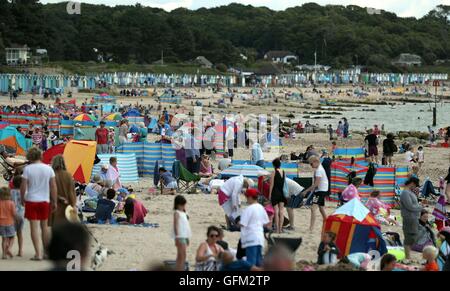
342, 36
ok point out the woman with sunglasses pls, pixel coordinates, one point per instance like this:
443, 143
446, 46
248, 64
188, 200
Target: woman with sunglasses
208, 252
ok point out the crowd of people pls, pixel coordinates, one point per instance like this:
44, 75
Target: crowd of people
42, 194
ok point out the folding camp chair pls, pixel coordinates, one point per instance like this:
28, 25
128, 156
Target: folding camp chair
185, 179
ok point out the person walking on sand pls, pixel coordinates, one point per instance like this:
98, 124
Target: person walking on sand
320, 190
389, 148
39, 193
65, 188
372, 145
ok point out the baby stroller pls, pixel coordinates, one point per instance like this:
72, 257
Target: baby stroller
7, 171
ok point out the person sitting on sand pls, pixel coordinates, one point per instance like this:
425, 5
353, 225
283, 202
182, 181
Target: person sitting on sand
430, 254
379, 209
388, 262
230, 265
410, 157
352, 190
207, 258
328, 251
257, 155
225, 162
168, 182
425, 235
113, 173
105, 207
94, 188
206, 170
135, 211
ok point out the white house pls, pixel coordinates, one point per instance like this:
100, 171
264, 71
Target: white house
284, 57
17, 55
407, 60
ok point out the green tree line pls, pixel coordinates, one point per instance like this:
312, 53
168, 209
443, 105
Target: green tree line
341, 35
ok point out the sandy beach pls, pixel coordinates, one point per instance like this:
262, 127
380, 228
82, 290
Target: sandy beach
136, 248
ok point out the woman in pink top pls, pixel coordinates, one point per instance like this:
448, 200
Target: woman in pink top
205, 167
352, 190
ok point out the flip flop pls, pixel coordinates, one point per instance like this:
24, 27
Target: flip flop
35, 259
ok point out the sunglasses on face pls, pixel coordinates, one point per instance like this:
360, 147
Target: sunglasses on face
213, 235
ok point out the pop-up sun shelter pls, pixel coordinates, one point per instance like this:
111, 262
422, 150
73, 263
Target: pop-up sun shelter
79, 156
356, 229
13, 141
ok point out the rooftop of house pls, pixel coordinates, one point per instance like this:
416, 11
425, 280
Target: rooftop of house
408, 58
203, 60
278, 54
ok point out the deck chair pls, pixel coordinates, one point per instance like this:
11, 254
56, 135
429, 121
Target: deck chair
185, 179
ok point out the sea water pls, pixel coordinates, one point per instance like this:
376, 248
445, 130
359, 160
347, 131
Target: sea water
401, 117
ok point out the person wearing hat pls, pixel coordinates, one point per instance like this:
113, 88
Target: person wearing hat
78, 132
101, 137
229, 196
94, 188
252, 222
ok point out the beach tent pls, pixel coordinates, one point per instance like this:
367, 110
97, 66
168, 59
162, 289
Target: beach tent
356, 229
134, 116
132, 113
14, 141
48, 155
125, 162
79, 156
249, 171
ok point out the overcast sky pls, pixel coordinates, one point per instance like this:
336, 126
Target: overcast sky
404, 8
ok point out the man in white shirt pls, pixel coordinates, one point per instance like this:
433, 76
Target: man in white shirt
320, 189
253, 220
229, 196
38, 190
294, 200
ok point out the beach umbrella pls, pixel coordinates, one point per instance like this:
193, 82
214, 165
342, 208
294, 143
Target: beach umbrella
249, 171
85, 117
113, 117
